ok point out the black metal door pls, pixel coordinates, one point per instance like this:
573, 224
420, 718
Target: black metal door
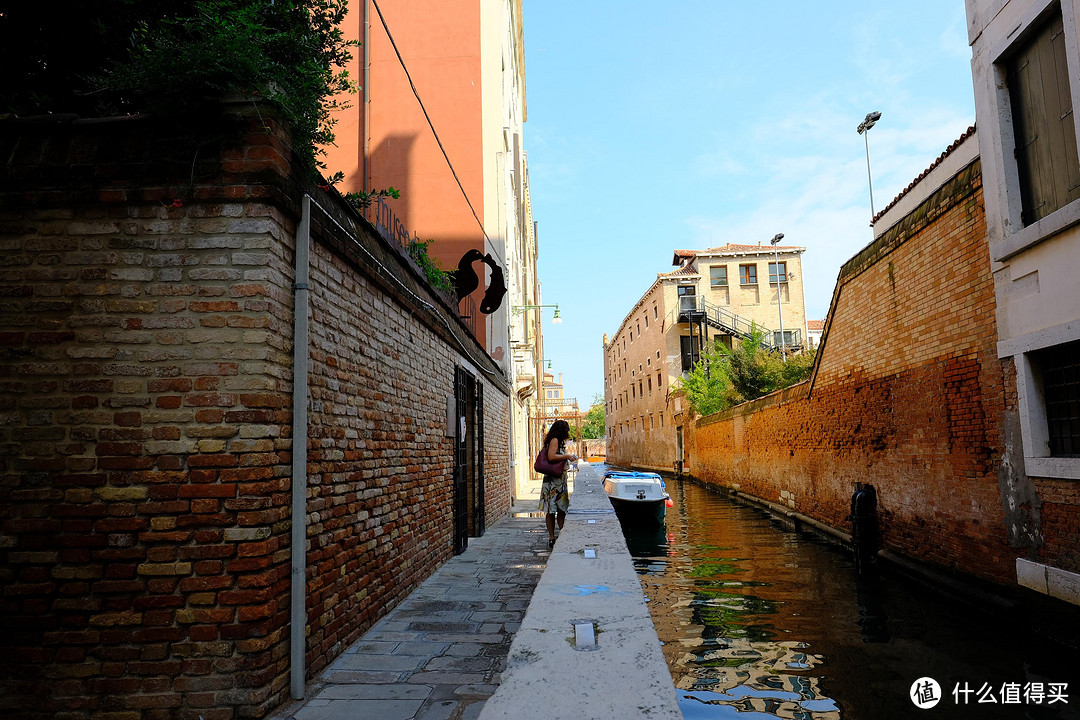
461, 462
479, 510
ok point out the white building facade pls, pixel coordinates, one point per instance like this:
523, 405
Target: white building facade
1026, 70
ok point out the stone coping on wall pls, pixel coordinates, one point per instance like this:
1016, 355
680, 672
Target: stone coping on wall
69, 159
792, 393
589, 581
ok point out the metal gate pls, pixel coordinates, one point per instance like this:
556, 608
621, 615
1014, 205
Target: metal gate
461, 461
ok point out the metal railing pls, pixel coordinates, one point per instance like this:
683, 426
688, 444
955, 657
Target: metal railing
693, 309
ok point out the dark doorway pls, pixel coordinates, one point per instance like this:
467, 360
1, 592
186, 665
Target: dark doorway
469, 504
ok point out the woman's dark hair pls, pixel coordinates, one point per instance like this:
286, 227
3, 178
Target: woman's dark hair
559, 429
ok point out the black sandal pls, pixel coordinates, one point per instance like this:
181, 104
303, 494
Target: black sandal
551, 542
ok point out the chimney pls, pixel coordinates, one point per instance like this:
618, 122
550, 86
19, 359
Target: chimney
560, 378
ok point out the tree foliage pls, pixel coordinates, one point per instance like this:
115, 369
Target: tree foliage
595, 426
182, 57
723, 378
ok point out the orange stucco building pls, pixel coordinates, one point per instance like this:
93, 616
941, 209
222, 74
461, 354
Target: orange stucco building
463, 62
448, 48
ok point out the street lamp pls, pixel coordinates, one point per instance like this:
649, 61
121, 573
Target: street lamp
541, 401
779, 306
556, 320
864, 130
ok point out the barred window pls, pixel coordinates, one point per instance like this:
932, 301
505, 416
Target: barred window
1060, 367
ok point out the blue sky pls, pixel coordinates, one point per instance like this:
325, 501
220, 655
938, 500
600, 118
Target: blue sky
694, 124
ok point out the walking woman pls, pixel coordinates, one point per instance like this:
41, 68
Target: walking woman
554, 495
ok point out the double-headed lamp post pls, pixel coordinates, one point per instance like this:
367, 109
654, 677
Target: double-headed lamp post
555, 320
864, 130
779, 305
540, 399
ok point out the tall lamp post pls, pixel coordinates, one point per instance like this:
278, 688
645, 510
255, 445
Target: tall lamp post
864, 130
779, 306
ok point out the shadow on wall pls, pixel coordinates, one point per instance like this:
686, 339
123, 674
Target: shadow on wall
388, 166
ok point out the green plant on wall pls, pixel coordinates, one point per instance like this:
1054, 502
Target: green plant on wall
436, 276
595, 426
418, 249
723, 378
708, 386
289, 52
363, 200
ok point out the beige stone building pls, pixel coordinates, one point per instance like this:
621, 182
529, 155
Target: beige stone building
714, 295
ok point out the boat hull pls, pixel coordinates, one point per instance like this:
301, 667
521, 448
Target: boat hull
640, 511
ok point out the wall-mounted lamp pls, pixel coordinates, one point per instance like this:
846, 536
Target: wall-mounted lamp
555, 320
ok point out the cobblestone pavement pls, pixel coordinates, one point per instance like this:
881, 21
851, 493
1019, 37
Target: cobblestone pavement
439, 654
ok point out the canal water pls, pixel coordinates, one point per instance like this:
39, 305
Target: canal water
758, 621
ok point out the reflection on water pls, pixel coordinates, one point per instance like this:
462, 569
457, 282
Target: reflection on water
760, 622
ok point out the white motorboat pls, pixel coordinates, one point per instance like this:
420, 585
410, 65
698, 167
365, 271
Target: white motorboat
637, 497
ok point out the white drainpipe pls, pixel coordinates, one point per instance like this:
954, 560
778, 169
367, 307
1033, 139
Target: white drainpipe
298, 547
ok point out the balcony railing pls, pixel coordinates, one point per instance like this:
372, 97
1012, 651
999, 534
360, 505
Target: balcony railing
695, 309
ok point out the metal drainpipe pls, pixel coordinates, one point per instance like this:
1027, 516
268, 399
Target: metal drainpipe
298, 547
510, 414
365, 181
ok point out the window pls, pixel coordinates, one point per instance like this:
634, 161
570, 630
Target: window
654, 315
718, 276
748, 274
1060, 367
687, 299
658, 383
631, 336
646, 322
777, 272
1046, 157
789, 338
650, 386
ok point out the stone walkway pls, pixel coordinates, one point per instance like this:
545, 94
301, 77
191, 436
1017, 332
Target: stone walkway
439, 654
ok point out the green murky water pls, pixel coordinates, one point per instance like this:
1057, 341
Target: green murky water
761, 622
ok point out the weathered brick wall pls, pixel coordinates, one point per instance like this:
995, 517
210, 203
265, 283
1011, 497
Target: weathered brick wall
145, 397
380, 490
497, 498
909, 395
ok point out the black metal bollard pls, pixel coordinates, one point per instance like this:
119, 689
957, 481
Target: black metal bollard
864, 526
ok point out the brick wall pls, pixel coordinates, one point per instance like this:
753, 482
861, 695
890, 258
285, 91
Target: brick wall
908, 395
145, 397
